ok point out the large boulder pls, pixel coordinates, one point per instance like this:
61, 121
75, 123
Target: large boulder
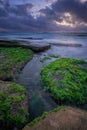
65, 119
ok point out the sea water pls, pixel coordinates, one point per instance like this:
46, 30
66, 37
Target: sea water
60, 37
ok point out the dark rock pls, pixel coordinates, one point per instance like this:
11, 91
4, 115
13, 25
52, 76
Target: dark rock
9, 43
32, 38
68, 45
37, 47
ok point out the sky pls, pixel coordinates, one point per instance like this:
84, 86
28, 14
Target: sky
43, 15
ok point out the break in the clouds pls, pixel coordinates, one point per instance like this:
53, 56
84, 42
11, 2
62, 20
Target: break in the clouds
43, 15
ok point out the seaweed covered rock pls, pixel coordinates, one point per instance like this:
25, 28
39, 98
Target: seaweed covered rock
12, 60
13, 105
66, 79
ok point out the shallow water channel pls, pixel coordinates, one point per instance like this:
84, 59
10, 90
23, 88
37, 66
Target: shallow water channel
39, 100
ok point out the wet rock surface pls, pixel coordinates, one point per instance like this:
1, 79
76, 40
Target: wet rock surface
67, 45
37, 47
65, 119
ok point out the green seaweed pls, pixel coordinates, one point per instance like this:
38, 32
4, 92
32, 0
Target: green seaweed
8, 99
66, 80
54, 56
45, 58
32, 123
36, 120
44, 115
48, 57
13, 59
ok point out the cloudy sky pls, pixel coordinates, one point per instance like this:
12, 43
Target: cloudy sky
43, 15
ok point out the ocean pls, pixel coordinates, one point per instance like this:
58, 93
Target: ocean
62, 37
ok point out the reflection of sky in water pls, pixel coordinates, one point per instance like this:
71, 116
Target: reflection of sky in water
75, 52
39, 100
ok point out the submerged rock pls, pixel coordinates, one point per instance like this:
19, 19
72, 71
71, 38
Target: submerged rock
32, 38
65, 119
68, 45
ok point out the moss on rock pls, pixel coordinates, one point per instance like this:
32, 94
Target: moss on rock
13, 105
66, 79
13, 99
12, 60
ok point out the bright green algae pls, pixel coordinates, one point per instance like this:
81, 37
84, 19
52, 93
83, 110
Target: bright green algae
13, 100
13, 107
12, 60
66, 79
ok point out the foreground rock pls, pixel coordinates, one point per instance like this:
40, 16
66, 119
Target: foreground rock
37, 47
66, 80
13, 105
65, 119
13, 99
66, 44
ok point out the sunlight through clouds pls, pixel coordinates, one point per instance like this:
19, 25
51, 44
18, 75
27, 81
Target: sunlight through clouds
52, 15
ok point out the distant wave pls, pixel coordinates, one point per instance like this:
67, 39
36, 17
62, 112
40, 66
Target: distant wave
32, 38
82, 35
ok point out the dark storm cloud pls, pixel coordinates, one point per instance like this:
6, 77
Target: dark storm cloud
3, 12
21, 10
4, 8
75, 7
19, 16
51, 14
16, 17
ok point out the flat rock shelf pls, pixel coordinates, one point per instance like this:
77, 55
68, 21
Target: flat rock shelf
36, 47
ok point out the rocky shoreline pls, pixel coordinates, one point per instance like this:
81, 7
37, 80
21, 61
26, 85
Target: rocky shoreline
13, 56
13, 99
13, 106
